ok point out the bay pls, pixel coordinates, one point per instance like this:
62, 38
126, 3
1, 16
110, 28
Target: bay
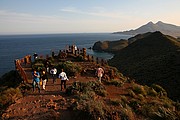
17, 46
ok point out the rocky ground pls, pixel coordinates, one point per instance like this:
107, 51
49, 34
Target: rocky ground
52, 103
127, 100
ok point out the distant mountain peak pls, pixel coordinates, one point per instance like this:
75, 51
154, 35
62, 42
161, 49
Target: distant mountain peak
165, 28
150, 23
160, 22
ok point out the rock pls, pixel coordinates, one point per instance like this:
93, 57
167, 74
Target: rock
110, 46
51, 104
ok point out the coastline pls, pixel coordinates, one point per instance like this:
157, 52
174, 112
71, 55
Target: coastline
12, 48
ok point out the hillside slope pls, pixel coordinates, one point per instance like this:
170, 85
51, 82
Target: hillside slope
154, 58
116, 98
165, 28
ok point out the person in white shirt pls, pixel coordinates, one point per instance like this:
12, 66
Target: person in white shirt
63, 78
99, 73
53, 72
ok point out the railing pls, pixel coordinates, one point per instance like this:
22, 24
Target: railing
19, 68
76, 51
69, 50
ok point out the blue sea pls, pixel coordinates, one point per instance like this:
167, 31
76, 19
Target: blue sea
17, 46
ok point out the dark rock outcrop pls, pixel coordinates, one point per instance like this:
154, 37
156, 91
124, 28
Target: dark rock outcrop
154, 58
110, 46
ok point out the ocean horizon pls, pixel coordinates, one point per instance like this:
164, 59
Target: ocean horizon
17, 46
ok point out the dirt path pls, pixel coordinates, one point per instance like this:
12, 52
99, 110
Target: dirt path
51, 103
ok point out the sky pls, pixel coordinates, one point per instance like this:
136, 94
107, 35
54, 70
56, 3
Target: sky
83, 16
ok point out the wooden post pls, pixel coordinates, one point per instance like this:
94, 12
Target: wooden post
97, 60
29, 57
59, 54
92, 58
73, 49
52, 53
47, 56
15, 63
88, 58
84, 53
70, 49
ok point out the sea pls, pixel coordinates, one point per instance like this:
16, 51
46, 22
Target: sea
17, 46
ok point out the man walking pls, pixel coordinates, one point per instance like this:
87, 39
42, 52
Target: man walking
53, 72
63, 78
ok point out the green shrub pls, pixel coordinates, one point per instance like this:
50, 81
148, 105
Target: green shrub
114, 72
140, 97
164, 114
127, 114
152, 92
38, 66
116, 83
88, 95
159, 89
85, 88
138, 89
124, 99
80, 58
39, 60
158, 112
155, 102
167, 104
10, 79
115, 102
134, 103
9, 90
131, 93
96, 109
9, 96
70, 68
146, 109
177, 105
87, 98
51, 60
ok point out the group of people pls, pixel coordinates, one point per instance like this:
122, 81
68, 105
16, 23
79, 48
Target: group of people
37, 77
62, 75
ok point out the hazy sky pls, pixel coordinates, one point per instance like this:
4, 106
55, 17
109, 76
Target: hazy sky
79, 16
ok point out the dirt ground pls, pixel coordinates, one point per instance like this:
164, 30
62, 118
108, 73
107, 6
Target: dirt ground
51, 103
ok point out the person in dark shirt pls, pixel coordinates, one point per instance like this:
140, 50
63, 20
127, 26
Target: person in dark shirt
44, 79
35, 56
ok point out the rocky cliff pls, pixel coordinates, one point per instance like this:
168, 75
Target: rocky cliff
110, 46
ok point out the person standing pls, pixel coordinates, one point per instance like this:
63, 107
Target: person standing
44, 79
36, 80
63, 78
53, 72
99, 73
35, 56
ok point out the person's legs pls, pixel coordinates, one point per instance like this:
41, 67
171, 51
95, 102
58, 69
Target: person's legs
34, 85
44, 84
38, 86
54, 78
61, 84
64, 84
100, 79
